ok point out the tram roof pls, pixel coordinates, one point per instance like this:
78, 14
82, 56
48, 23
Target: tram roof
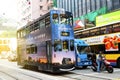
40, 18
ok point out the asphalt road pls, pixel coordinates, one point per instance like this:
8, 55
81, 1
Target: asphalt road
11, 71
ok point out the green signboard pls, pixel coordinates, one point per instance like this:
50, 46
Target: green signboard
108, 18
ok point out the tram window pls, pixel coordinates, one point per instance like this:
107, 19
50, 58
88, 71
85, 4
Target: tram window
116, 25
66, 19
93, 32
27, 30
28, 50
72, 45
57, 45
39, 25
35, 49
98, 31
55, 18
85, 34
18, 35
82, 35
117, 29
65, 45
36, 26
23, 33
42, 23
62, 18
47, 21
108, 29
31, 28
97, 48
70, 21
102, 30
78, 35
32, 50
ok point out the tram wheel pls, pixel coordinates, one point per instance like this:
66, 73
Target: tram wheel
118, 63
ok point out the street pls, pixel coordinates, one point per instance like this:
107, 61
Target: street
59, 35
10, 71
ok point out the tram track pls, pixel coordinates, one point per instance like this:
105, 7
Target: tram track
16, 73
75, 76
14, 77
103, 78
8, 75
84, 75
72, 75
69, 75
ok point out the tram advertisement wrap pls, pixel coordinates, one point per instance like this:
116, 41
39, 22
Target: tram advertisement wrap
110, 40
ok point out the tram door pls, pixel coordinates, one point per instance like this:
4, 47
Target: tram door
48, 51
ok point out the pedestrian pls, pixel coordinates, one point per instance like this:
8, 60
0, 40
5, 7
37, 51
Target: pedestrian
99, 61
93, 58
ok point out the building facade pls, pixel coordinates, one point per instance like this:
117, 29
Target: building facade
82, 7
32, 9
86, 11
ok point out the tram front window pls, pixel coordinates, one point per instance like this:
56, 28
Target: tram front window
65, 45
65, 19
55, 18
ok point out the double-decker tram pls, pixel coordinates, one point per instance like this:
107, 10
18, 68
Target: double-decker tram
48, 42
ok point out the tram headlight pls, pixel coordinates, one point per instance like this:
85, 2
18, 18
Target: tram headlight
78, 59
